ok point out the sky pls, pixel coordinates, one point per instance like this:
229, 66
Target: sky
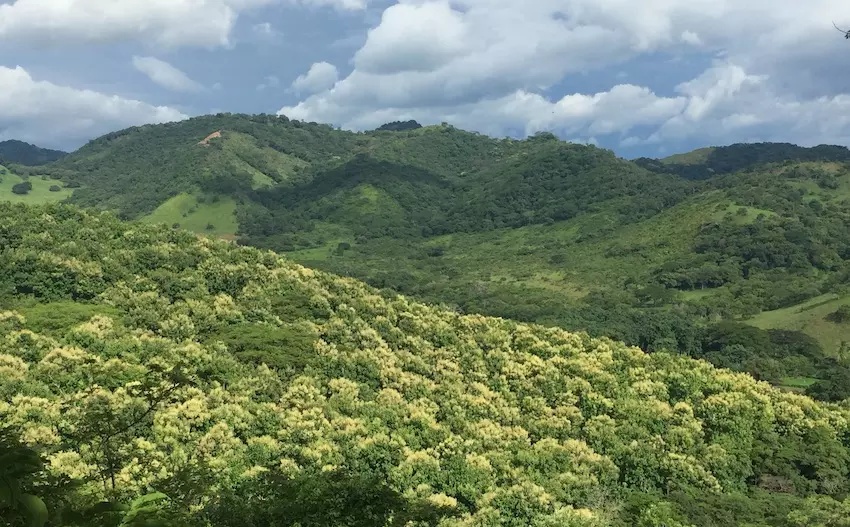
648, 78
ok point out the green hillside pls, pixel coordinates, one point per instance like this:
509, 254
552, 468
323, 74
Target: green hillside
21, 153
151, 376
705, 163
658, 253
40, 191
210, 215
815, 317
570, 235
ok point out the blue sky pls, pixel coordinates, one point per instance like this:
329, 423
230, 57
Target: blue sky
642, 78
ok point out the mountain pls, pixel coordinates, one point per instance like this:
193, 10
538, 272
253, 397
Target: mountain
707, 162
18, 152
153, 376
736, 254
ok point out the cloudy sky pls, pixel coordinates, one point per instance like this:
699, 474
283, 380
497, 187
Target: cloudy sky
649, 77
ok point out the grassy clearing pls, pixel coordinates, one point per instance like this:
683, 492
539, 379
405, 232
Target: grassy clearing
796, 384
694, 157
185, 210
699, 294
810, 317
750, 215
39, 194
243, 147
54, 318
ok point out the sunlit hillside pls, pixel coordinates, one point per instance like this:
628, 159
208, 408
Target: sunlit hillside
226, 385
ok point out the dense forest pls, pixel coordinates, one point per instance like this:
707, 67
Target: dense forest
21, 153
153, 376
737, 255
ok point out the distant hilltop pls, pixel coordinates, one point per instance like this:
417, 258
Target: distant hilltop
21, 153
399, 126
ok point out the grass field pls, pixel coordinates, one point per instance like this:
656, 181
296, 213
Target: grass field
185, 210
40, 192
810, 317
689, 158
796, 384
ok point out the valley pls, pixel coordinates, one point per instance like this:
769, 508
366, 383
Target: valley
655, 253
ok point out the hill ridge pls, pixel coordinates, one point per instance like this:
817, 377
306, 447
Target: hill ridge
535, 229
13, 151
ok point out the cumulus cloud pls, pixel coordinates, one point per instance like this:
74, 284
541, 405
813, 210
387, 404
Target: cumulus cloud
64, 117
414, 37
485, 64
166, 23
166, 75
321, 76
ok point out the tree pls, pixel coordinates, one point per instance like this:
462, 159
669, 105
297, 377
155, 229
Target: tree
22, 188
842, 314
19, 466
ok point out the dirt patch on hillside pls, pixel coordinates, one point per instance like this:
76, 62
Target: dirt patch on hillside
206, 140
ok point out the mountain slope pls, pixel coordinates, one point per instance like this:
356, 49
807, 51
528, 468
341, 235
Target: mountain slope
21, 153
535, 230
707, 162
252, 391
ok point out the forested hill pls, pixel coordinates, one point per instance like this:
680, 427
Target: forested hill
747, 268
21, 153
153, 376
708, 162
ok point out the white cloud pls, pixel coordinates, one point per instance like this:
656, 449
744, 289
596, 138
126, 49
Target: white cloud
414, 37
165, 23
64, 117
689, 37
321, 76
269, 82
166, 75
483, 64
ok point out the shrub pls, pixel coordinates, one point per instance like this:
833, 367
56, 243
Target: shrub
55, 188
842, 314
22, 188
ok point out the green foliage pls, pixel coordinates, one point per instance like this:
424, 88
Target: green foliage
21, 153
289, 348
706, 163
19, 466
135, 170
652, 252
22, 188
840, 315
214, 384
399, 126
55, 318
323, 499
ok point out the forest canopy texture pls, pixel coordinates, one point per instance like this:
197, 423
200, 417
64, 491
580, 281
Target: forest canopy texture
162, 376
